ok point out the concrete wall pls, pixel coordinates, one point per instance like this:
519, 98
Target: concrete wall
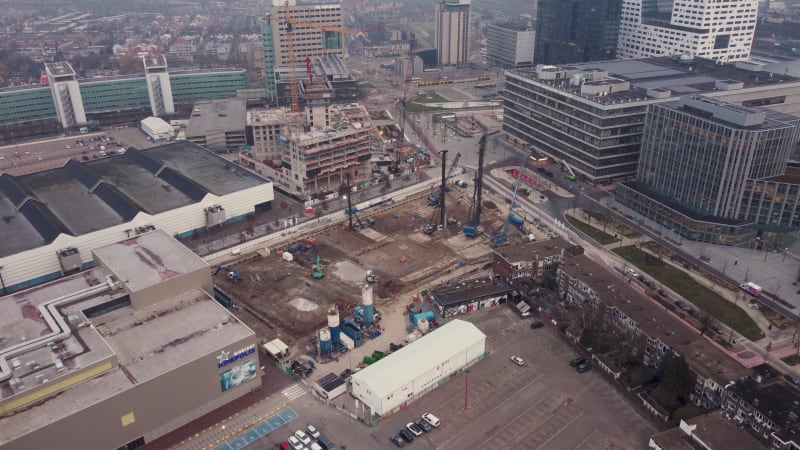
157, 407
173, 287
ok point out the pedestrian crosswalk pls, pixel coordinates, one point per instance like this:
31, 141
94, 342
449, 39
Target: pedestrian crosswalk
294, 391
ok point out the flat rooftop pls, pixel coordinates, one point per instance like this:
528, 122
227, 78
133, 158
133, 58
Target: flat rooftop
79, 198
155, 61
702, 356
474, 289
141, 262
130, 345
778, 402
698, 77
214, 116
718, 432
533, 250
59, 68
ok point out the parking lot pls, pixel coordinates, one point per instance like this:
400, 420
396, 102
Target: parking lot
34, 156
543, 404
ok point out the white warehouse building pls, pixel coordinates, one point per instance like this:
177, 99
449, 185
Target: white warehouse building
405, 375
52, 220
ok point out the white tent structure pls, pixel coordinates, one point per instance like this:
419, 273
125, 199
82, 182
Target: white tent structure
157, 129
417, 368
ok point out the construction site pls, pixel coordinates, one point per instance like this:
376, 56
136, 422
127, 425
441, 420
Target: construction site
396, 248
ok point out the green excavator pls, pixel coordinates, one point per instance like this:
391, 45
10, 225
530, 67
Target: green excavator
318, 273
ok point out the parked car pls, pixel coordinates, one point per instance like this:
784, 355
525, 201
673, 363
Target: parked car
579, 360
302, 436
582, 367
682, 306
632, 273
315, 446
414, 428
397, 440
537, 324
406, 435
663, 293
295, 443
431, 419
312, 431
325, 442
424, 425
517, 360
791, 379
705, 259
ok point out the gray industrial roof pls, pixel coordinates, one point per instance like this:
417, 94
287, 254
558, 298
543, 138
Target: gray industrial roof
216, 115
79, 198
148, 259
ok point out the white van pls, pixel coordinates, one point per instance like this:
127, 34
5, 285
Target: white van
431, 419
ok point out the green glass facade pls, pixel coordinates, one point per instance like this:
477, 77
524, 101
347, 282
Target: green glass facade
571, 31
20, 105
119, 94
110, 95
207, 85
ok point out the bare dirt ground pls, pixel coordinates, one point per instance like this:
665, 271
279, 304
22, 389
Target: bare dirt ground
276, 296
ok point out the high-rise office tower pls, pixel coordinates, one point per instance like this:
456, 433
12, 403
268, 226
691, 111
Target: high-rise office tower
308, 41
713, 29
716, 172
510, 45
570, 31
452, 32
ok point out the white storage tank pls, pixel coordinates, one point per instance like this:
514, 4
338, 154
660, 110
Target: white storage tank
347, 342
422, 325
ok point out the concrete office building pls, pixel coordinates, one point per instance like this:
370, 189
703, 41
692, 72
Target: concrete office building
529, 261
452, 32
58, 216
218, 125
66, 94
572, 31
308, 41
121, 354
700, 162
159, 89
712, 29
591, 116
28, 111
318, 147
510, 45
418, 368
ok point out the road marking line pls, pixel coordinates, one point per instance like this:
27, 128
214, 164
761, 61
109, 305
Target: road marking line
562, 429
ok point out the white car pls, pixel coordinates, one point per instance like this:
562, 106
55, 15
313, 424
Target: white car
517, 360
312, 430
633, 273
295, 443
431, 419
414, 428
302, 436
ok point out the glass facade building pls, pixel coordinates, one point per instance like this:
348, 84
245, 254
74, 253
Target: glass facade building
114, 94
570, 31
715, 172
26, 104
20, 105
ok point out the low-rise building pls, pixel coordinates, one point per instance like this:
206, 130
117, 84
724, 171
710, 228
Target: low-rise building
407, 374
218, 125
126, 352
770, 411
157, 129
648, 327
710, 431
529, 261
475, 293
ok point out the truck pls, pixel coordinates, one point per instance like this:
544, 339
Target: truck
751, 288
516, 220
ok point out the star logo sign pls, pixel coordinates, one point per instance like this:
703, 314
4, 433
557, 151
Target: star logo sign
223, 355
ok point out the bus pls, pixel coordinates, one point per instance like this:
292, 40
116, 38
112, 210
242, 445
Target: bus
413, 80
484, 78
432, 69
485, 85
